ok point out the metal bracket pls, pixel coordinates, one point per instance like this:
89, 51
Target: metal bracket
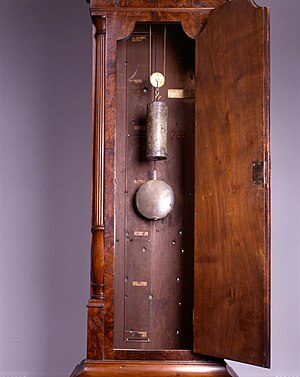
259, 176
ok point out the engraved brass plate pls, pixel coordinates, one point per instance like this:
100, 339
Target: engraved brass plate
258, 172
133, 335
139, 283
138, 181
143, 334
181, 93
139, 233
135, 81
139, 38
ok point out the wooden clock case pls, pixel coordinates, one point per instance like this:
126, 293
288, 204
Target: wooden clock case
174, 297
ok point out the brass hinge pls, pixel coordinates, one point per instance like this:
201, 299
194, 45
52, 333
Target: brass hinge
259, 172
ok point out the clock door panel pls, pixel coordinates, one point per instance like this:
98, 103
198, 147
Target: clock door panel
232, 225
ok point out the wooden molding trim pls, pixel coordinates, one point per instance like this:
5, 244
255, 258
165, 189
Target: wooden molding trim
89, 368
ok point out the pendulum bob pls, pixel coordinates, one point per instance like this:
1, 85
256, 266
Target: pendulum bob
156, 147
155, 199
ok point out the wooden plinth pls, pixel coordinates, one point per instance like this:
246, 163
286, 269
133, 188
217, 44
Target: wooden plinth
89, 368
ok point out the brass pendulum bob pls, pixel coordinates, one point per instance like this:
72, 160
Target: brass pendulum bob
155, 199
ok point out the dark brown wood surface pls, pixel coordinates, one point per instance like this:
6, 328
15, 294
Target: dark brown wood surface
156, 314
113, 34
232, 224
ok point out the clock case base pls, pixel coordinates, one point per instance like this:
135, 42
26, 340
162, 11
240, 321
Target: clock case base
91, 368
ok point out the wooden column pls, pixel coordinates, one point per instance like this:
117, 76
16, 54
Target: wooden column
96, 302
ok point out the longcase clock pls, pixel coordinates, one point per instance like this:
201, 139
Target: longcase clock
181, 188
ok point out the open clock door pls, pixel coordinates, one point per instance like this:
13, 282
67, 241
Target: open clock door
232, 201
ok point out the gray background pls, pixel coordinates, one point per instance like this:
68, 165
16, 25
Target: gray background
45, 161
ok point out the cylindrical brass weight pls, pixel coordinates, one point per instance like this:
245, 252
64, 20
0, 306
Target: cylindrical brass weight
156, 148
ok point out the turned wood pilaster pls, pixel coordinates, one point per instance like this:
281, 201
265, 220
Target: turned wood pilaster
96, 302
97, 250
